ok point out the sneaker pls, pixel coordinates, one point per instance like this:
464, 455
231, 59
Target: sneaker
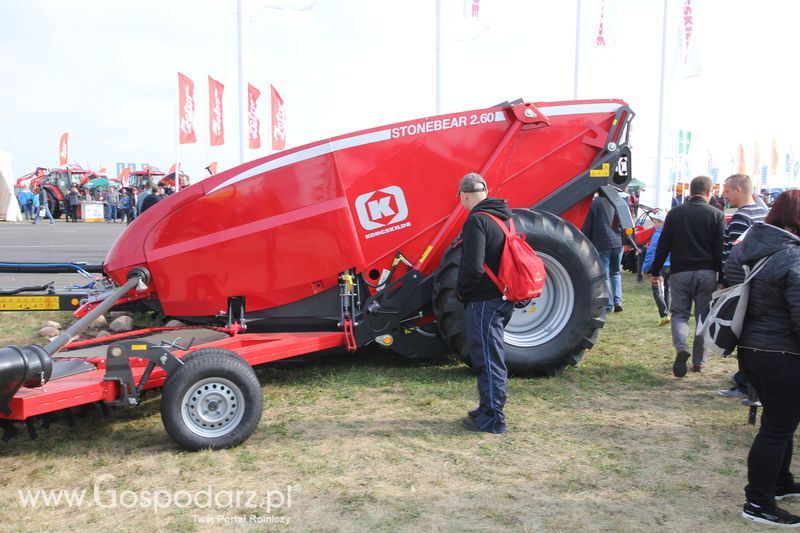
787, 492
773, 516
750, 403
679, 366
474, 413
617, 308
698, 368
733, 392
664, 320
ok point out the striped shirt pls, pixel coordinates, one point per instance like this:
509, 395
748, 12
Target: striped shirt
740, 222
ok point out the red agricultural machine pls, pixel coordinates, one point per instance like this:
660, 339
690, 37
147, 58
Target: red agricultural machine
56, 183
144, 179
353, 241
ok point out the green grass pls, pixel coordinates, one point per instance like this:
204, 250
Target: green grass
372, 441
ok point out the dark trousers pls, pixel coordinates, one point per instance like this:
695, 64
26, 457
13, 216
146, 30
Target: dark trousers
486, 321
662, 298
776, 378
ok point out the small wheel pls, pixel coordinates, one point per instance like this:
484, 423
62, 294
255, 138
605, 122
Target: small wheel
213, 401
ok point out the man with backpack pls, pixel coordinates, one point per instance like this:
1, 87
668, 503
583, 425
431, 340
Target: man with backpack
487, 312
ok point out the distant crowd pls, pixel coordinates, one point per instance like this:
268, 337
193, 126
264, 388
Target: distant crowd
119, 206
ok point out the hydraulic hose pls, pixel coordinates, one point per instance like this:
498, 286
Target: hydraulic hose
50, 268
32, 366
134, 278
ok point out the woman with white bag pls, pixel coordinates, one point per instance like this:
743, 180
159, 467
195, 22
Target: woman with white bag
769, 355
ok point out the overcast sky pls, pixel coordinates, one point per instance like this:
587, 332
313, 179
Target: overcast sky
105, 71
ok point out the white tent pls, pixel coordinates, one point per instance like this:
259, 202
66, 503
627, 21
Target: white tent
9, 207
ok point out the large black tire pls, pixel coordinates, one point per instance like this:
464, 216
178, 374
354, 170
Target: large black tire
53, 203
552, 331
213, 401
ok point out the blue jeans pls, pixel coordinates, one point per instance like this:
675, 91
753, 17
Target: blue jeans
611, 260
486, 321
112, 213
47, 212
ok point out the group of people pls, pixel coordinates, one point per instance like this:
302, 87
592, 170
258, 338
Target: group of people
34, 204
704, 253
121, 206
693, 253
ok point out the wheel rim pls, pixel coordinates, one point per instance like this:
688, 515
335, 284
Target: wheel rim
545, 317
213, 407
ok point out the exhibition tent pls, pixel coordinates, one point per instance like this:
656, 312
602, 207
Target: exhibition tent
9, 207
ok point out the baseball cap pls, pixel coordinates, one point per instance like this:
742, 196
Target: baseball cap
659, 215
472, 182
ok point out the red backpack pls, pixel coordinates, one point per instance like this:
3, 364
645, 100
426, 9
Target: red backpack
521, 274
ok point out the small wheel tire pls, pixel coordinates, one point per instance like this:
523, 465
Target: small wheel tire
213, 401
553, 331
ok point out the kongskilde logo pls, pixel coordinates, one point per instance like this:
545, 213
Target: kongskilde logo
382, 210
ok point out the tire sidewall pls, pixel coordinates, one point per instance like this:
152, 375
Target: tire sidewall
211, 365
581, 263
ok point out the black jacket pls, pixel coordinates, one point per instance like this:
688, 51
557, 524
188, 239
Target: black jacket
150, 201
483, 242
599, 226
692, 237
772, 321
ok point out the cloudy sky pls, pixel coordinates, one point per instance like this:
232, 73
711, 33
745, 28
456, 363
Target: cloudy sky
105, 71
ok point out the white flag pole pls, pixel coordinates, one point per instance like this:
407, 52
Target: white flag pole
208, 124
438, 57
576, 76
660, 142
177, 130
240, 64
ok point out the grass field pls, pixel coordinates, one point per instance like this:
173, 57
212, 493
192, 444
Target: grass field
373, 442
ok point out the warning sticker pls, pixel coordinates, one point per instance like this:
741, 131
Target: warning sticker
602, 172
29, 303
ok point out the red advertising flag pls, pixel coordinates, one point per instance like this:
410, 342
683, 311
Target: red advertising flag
278, 121
63, 149
740, 163
600, 39
216, 130
186, 110
124, 176
690, 60
253, 124
688, 26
